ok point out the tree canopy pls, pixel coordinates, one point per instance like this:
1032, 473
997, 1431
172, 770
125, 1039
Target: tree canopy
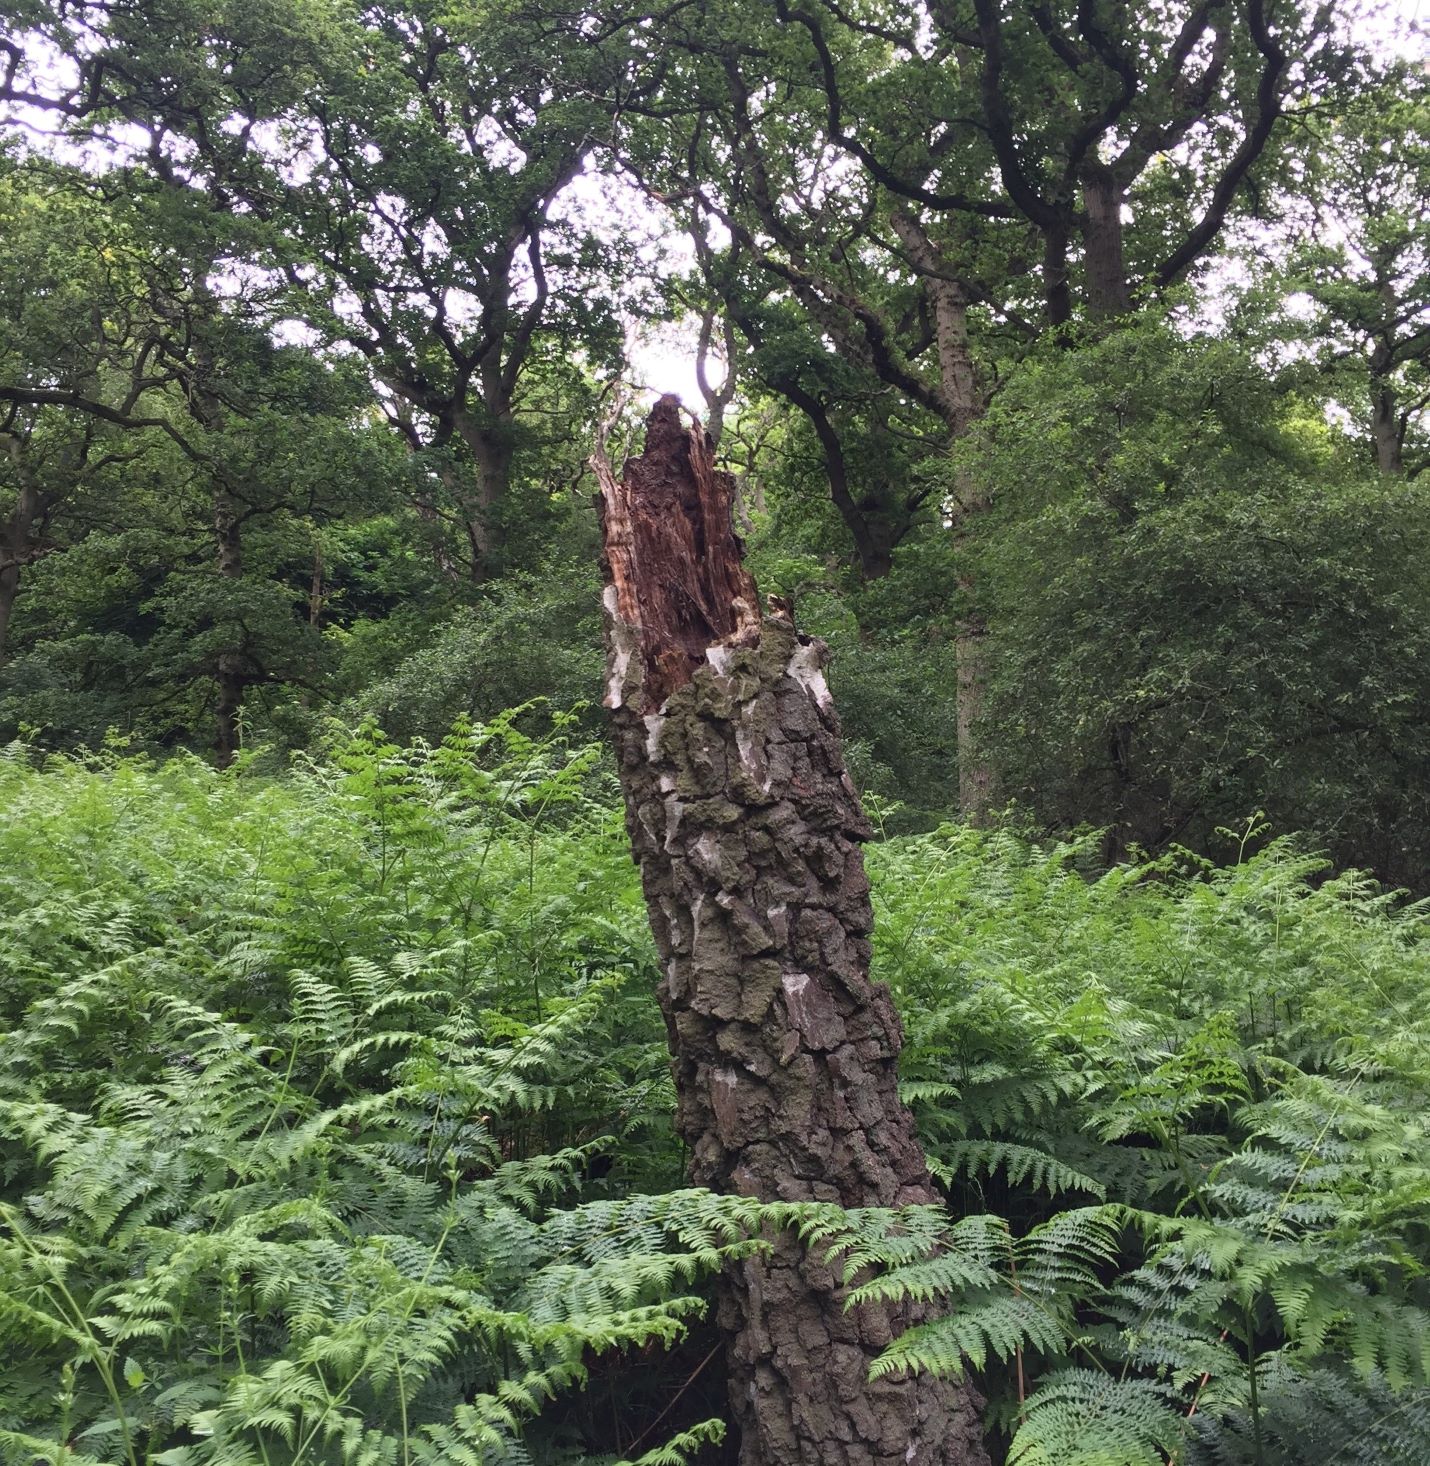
1071, 361
324, 305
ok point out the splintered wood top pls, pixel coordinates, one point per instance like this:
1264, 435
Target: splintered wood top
672, 554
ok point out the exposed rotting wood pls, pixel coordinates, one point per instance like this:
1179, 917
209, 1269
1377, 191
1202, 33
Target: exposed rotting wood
747, 830
671, 554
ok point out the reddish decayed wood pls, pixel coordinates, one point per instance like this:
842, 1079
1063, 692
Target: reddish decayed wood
672, 554
784, 1052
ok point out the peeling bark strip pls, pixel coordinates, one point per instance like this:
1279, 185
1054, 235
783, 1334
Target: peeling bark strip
747, 832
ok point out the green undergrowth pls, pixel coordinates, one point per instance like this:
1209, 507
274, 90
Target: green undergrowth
1183, 1110
335, 1127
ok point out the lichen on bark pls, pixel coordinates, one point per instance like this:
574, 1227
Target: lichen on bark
748, 831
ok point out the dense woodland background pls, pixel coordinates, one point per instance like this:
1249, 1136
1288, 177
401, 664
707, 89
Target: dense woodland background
1074, 363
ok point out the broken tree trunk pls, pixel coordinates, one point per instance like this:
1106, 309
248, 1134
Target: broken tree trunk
747, 832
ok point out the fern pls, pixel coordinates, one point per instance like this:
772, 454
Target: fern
1318, 1414
1079, 1417
335, 1126
313, 1221
1240, 1057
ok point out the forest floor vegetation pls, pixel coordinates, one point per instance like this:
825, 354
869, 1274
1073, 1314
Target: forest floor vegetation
335, 1127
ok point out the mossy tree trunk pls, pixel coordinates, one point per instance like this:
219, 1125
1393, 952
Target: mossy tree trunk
747, 830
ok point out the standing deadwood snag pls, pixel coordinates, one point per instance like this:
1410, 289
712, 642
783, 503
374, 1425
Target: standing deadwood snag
747, 832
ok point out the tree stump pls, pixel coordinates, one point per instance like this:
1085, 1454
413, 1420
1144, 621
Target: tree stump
747, 831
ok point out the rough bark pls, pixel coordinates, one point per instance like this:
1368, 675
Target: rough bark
9, 591
492, 449
1387, 429
16, 548
231, 667
747, 832
1104, 266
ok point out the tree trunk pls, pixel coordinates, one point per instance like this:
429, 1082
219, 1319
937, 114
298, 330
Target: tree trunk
1386, 428
872, 533
976, 778
1104, 268
231, 667
975, 773
717, 399
492, 451
17, 548
964, 401
1057, 295
208, 408
9, 590
747, 832
316, 595
961, 394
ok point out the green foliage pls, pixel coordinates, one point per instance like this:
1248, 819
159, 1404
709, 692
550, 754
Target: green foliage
334, 1111
334, 1126
891, 648
1230, 1066
530, 637
304, 1095
1199, 608
1367, 278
